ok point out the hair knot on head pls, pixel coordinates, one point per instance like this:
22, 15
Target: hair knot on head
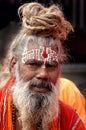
39, 20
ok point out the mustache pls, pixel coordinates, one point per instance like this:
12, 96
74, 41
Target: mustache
40, 83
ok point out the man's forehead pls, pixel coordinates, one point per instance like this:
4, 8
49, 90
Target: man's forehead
38, 52
34, 46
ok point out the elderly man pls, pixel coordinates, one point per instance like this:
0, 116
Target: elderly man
30, 99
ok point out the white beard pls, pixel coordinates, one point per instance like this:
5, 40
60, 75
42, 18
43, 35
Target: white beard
33, 106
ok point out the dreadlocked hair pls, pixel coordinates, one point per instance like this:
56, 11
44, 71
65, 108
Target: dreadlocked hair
43, 21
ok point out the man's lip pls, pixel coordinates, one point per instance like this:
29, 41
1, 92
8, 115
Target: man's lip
41, 89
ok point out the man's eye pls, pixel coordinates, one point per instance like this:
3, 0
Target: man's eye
31, 64
52, 64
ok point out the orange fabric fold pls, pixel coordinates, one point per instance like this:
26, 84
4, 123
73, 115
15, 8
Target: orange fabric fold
9, 112
6, 106
54, 125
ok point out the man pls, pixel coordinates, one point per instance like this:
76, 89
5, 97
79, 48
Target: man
30, 100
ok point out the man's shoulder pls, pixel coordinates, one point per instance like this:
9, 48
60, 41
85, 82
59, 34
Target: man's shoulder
65, 107
68, 84
69, 116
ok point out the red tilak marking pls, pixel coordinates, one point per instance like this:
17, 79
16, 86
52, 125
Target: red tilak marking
44, 52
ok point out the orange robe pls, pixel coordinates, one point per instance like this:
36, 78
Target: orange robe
70, 94
68, 118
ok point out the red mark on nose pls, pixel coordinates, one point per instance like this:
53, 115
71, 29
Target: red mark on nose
44, 52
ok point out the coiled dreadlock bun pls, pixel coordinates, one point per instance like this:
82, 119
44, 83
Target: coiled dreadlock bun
40, 20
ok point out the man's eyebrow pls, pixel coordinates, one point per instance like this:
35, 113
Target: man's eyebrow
52, 62
34, 60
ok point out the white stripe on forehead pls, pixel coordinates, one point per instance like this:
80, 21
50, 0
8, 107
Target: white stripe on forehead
41, 40
32, 39
42, 53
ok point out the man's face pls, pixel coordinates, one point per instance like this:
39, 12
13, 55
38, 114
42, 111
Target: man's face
39, 62
36, 74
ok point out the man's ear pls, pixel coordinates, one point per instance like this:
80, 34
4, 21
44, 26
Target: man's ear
12, 66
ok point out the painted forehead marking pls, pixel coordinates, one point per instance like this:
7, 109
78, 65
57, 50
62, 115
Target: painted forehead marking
41, 53
44, 52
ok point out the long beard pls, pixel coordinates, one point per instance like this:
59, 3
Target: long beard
35, 106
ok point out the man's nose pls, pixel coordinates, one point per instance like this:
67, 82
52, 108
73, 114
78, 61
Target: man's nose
43, 73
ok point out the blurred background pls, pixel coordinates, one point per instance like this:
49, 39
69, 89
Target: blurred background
75, 12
